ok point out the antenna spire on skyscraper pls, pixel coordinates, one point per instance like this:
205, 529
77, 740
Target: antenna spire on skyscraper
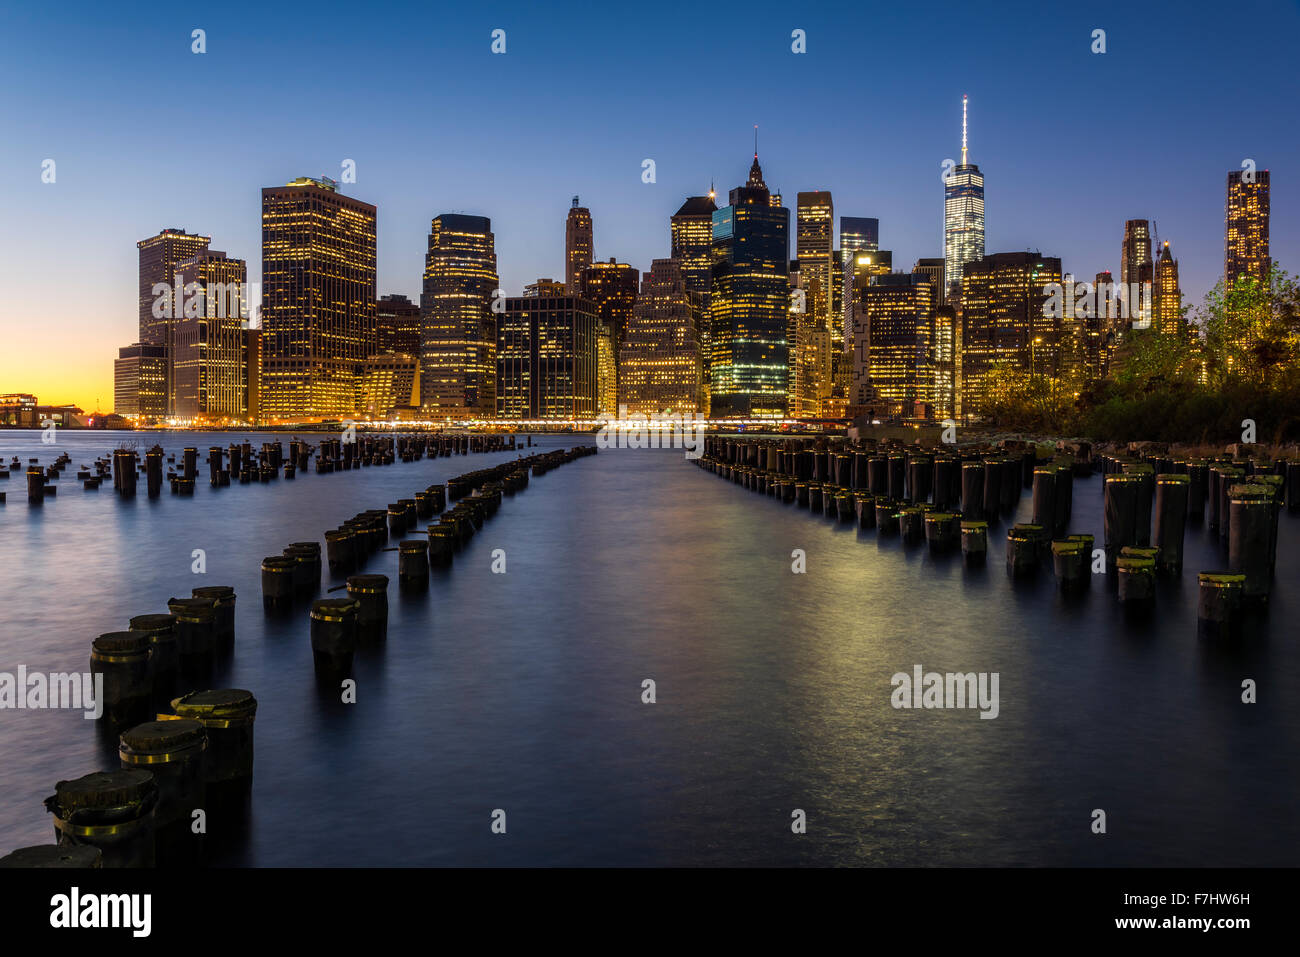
963, 129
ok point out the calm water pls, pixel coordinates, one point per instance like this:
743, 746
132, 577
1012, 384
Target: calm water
522, 691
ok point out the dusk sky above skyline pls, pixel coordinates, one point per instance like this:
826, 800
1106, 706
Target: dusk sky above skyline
148, 135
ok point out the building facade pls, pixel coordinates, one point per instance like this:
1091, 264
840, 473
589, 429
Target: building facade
140, 382
547, 358
397, 325
208, 361
1166, 296
750, 304
894, 354
1245, 225
459, 337
159, 257
1005, 321
661, 364
579, 245
963, 215
318, 299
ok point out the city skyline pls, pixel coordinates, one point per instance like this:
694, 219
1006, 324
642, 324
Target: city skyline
1070, 204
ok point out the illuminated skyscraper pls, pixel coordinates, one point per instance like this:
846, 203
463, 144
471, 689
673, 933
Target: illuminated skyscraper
397, 325
895, 339
963, 214
612, 286
547, 358
387, 383
858, 234
1137, 273
318, 299
692, 242
1004, 300
749, 356
813, 342
208, 359
579, 245
140, 382
815, 240
692, 247
159, 256
1167, 297
459, 336
933, 270
1135, 251
1245, 220
944, 355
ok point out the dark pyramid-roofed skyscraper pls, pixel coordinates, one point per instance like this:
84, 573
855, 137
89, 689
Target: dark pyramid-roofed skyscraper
749, 355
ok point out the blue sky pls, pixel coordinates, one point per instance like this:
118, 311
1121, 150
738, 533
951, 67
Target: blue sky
147, 134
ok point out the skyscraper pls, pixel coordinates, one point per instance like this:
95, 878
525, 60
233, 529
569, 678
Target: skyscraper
963, 214
812, 342
612, 286
388, 382
692, 247
660, 364
579, 245
1245, 221
1167, 297
458, 335
159, 256
397, 325
815, 240
895, 341
140, 381
1136, 273
208, 358
1135, 252
750, 301
858, 234
933, 269
547, 358
692, 242
318, 299
1003, 321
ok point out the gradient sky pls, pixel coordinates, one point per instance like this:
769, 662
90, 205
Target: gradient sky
148, 135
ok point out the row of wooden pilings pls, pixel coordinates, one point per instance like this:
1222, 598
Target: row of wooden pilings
193, 759
1150, 499
241, 464
198, 757
949, 498
340, 625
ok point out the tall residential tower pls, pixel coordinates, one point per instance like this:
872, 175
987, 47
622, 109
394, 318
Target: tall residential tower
1245, 222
